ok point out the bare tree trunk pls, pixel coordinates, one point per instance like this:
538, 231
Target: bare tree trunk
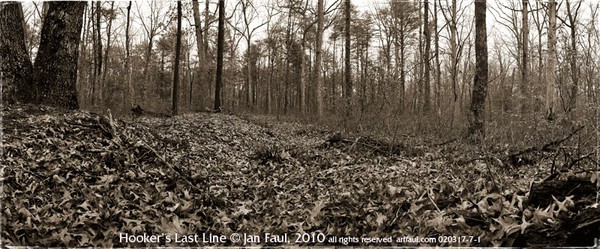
454, 60
82, 77
438, 73
93, 65
220, 45
206, 55
551, 87
206, 23
302, 77
477, 122
289, 49
426, 57
525, 59
539, 21
318, 60
108, 38
44, 11
418, 90
572, 15
248, 76
175, 92
347, 58
15, 65
334, 74
189, 75
130, 90
200, 46
55, 68
270, 86
99, 83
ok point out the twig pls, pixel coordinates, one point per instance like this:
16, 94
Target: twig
589, 223
546, 147
572, 163
435, 205
353, 144
444, 143
176, 170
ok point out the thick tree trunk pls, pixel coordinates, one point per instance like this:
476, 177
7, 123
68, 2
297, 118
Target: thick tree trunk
551, 88
15, 65
477, 122
203, 77
210, 86
82, 75
220, 45
55, 69
175, 92
199, 34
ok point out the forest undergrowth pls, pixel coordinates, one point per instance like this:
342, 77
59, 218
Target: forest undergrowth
82, 179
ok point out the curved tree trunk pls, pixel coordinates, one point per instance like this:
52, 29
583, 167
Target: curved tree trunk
15, 65
55, 66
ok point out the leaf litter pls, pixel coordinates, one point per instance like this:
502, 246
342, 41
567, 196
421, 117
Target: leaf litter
81, 179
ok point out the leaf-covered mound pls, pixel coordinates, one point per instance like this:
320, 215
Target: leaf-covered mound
81, 179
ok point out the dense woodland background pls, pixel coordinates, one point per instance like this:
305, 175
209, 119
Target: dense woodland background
389, 66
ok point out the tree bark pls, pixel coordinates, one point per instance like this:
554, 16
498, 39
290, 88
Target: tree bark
220, 45
525, 59
99, 83
572, 15
15, 65
108, 40
347, 58
318, 59
426, 56
55, 68
477, 121
130, 90
175, 97
551, 88
438, 73
199, 45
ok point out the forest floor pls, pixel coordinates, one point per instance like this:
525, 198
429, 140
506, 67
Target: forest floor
81, 179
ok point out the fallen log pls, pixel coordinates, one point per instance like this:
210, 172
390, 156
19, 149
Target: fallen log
541, 193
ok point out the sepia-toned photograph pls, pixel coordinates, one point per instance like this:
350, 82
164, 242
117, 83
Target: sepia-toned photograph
300, 123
